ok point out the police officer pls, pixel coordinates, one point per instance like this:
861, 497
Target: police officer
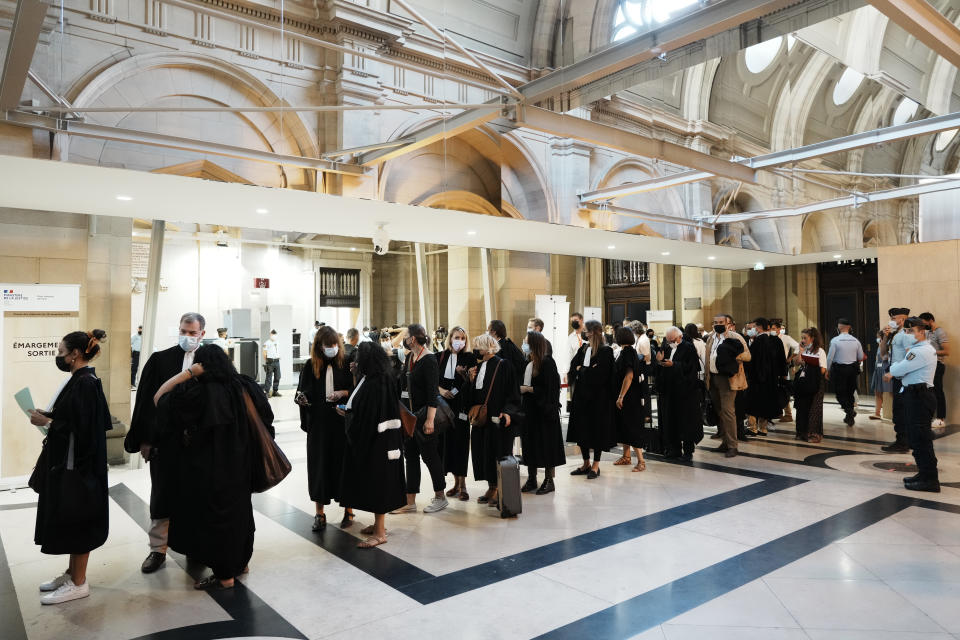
895, 346
843, 367
916, 371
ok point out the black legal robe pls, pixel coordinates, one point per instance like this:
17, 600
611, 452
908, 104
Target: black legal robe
457, 438
373, 474
681, 420
630, 419
492, 441
540, 431
767, 366
514, 356
591, 414
326, 436
212, 517
160, 367
80, 411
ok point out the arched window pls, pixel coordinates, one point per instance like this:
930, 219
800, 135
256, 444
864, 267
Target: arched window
905, 110
634, 16
943, 139
846, 86
759, 56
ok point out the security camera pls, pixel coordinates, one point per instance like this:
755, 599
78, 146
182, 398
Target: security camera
381, 241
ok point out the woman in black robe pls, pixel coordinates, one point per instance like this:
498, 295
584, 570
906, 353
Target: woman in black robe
591, 416
628, 381
373, 475
212, 517
325, 382
72, 504
454, 362
766, 372
678, 382
540, 433
492, 378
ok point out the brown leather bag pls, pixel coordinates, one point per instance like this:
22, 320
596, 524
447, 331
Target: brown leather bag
477, 415
270, 465
408, 419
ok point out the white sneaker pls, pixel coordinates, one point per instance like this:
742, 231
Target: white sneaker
54, 584
67, 592
437, 504
938, 423
407, 508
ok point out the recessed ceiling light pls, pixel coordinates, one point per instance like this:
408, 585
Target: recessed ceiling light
124, 198
353, 248
837, 256
471, 233
611, 246
711, 257
664, 253
262, 211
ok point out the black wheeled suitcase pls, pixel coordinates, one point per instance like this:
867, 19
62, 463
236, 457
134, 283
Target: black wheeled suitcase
508, 487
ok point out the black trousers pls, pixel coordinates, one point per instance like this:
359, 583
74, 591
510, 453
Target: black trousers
272, 368
585, 452
135, 364
532, 472
919, 406
899, 419
427, 447
844, 377
938, 391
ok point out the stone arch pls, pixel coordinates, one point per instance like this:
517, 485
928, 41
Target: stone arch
525, 189
821, 233
157, 79
663, 201
879, 233
463, 201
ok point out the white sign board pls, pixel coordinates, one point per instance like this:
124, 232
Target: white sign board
40, 297
593, 313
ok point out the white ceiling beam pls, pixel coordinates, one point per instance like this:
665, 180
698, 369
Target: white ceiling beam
633, 143
924, 127
24, 34
921, 20
87, 130
643, 215
847, 201
428, 106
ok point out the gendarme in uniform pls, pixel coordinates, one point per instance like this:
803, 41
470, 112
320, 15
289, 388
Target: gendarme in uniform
916, 371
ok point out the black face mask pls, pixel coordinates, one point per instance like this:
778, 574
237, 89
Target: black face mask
575, 324
476, 352
61, 362
139, 333
720, 328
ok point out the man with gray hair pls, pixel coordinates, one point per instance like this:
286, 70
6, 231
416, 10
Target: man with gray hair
677, 387
143, 436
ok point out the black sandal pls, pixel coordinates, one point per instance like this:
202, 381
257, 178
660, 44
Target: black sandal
211, 583
347, 521
319, 522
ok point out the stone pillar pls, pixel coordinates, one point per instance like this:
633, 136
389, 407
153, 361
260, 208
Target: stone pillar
465, 290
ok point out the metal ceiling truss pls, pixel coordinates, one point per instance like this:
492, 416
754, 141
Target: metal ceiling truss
643, 215
24, 34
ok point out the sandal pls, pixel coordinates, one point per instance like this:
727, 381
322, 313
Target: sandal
464, 496
368, 530
623, 461
641, 466
347, 521
371, 542
815, 438
453, 492
210, 583
319, 522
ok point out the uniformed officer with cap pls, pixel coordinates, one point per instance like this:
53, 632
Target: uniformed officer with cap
895, 345
916, 371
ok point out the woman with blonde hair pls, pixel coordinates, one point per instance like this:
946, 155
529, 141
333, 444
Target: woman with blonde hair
325, 382
454, 362
491, 383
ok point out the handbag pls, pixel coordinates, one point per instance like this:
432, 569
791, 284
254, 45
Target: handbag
408, 419
38, 478
443, 418
477, 416
271, 466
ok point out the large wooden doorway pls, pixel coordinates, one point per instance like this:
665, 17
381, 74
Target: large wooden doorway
626, 291
849, 290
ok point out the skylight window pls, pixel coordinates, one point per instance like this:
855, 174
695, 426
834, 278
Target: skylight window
635, 15
761, 55
846, 86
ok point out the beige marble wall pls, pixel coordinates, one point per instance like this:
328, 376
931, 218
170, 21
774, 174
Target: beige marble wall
926, 277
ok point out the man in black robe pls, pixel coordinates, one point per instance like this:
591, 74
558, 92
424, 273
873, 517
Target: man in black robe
765, 375
677, 382
144, 437
508, 350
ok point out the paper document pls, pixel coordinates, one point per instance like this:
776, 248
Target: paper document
25, 400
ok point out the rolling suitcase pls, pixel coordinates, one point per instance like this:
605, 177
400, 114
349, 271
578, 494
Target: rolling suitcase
508, 487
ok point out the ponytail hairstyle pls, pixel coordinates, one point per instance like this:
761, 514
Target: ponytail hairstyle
86, 342
419, 334
595, 335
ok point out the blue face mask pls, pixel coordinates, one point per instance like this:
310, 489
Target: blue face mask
911, 340
526, 349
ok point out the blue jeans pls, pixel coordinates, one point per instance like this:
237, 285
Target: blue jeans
272, 368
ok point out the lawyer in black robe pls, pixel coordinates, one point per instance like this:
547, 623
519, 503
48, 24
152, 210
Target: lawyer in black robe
212, 518
631, 418
678, 385
494, 439
540, 431
509, 352
326, 437
72, 512
457, 437
592, 423
765, 371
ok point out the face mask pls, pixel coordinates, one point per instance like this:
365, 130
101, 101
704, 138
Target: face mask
477, 354
783, 332
911, 340
575, 324
893, 324
331, 352
61, 362
720, 328
139, 333
751, 332
189, 343
526, 349
273, 338
458, 344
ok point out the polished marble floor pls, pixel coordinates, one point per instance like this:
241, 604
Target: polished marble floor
787, 541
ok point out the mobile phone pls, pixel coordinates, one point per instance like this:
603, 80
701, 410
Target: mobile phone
342, 407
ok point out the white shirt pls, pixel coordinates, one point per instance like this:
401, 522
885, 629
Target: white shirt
451, 371
355, 389
329, 383
673, 350
272, 349
788, 344
821, 354
643, 347
717, 339
574, 340
701, 348
586, 357
187, 360
528, 375
481, 373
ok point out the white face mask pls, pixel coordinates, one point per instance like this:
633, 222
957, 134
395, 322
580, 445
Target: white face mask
273, 338
751, 332
893, 324
458, 344
189, 343
783, 332
331, 352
